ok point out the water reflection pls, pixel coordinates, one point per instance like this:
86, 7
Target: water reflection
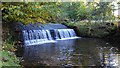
77, 52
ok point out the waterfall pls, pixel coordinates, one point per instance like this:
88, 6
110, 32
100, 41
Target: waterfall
62, 34
35, 34
49, 35
35, 37
25, 37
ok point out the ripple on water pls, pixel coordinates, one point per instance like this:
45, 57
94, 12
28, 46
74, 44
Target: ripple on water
77, 52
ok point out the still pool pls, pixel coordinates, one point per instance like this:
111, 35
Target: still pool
74, 52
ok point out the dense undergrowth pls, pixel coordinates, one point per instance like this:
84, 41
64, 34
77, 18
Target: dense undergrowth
8, 56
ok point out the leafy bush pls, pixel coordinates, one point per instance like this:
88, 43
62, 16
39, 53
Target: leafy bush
9, 58
7, 54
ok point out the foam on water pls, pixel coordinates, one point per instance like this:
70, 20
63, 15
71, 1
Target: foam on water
34, 42
68, 38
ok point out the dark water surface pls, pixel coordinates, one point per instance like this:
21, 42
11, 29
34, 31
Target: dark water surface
73, 52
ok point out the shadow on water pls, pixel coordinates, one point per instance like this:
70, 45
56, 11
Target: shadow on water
75, 52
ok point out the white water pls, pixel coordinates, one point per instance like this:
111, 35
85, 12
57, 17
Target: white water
65, 34
36, 37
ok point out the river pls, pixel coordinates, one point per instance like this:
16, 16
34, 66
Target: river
74, 52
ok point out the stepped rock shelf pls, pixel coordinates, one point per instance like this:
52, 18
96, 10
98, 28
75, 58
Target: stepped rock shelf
35, 34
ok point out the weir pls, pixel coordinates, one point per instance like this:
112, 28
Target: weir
35, 34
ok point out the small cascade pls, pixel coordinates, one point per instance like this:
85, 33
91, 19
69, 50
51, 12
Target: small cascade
49, 35
35, 37
35, 34
62, 34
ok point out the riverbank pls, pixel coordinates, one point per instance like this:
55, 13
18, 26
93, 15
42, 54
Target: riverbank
9, 58
107, 31
94, 29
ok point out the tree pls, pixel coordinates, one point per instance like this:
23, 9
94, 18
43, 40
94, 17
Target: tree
103, 11
30, 12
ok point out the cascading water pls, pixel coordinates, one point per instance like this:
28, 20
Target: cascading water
62, 34
35, 37
35, 34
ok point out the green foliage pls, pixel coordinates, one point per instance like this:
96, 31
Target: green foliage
8, 56
25, 12
43, 12
93, 29
85, 10
103, 11
57, 12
